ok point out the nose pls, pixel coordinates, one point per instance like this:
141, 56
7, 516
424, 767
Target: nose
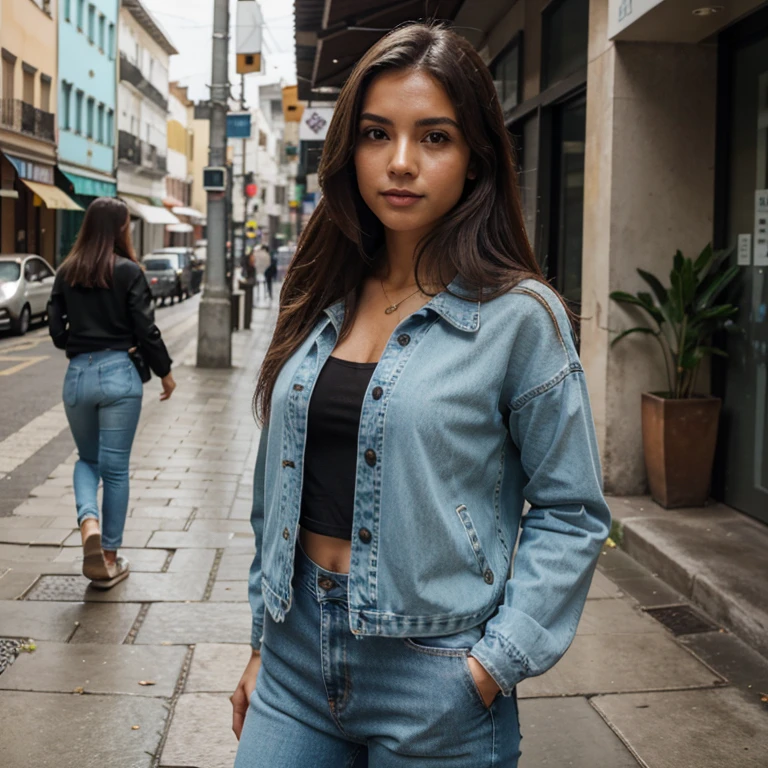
403, 161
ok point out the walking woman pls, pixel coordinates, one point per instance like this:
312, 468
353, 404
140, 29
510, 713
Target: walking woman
422, 383
100, 309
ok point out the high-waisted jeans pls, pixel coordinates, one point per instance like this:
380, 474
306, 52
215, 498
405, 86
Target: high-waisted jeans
102, 399
326, 699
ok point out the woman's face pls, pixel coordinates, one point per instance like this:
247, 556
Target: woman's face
411, 158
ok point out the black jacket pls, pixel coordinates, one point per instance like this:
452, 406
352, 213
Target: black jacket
119, 317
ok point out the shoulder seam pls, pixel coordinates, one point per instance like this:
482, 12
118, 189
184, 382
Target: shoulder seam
531, 394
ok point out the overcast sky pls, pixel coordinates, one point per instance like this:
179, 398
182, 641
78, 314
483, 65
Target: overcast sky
189, 24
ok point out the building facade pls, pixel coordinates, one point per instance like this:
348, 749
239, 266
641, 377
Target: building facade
641, 128
29, 198
142, 140
87, 93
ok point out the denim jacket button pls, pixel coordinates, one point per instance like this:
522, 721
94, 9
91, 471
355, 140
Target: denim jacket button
403, 339
297, 387
488, 576
365, 535
288, 463
286, 534
377, 393
370, 458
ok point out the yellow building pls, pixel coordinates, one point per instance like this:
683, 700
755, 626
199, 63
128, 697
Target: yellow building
28, 197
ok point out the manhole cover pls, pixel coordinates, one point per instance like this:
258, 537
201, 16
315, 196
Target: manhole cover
9, 650
681, 619
59, 588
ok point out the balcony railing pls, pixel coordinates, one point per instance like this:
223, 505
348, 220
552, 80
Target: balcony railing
132, 74
19, 116
131, 149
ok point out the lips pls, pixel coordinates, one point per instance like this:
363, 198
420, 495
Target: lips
401, 197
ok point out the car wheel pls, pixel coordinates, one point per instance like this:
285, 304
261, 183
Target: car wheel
21, 326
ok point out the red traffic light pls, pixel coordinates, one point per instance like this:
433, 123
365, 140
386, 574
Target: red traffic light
251, 190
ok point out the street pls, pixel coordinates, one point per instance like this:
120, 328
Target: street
145, 671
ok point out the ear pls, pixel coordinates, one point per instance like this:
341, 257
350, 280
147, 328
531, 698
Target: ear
471, 172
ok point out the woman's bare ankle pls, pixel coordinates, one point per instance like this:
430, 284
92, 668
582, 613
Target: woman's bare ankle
110, 555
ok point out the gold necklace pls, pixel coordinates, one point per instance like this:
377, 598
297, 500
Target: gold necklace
393, 307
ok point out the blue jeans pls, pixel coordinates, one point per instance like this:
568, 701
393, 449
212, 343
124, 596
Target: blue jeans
102, 400
327, 699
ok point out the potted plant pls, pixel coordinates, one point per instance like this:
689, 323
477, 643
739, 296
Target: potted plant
679, 425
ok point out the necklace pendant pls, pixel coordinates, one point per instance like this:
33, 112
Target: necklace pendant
390, 310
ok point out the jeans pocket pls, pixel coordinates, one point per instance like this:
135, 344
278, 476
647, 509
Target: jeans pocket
71, 382
116, 380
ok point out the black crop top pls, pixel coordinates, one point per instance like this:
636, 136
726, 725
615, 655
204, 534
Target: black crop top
330, 455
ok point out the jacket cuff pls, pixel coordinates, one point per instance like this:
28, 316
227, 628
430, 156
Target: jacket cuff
502, 662
257, 635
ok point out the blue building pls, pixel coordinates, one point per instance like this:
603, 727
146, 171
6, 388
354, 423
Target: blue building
87, 107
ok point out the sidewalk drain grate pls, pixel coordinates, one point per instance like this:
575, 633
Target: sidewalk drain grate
681, 619
59, 589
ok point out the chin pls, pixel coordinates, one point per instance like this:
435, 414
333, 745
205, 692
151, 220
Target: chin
404, 221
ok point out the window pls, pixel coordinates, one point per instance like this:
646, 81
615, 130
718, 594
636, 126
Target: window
279, 195
67, 10
45, 93
565, 33
111, 42
102, 31
28, 84
91, 23
89, 123
80, 14
66, 106
506, 76
100, 124
110, 128
79, 111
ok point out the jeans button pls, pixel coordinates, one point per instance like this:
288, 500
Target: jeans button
377, 393
365, 535
403, 339
488, 576
370, 458
325, 583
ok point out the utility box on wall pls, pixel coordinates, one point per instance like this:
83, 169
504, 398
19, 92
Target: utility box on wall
248, 38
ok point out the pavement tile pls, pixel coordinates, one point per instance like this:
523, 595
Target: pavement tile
14, 584
180, 513
136, 539
560, 733
97, 668
79, 731
185, 560
142, 560
234, 567
155, 524
690, 729
40, 621
602, 587
212, 513
650, 591
45, 536
226, 591
201, 733
184, 539
216, 667
187, 623
105, 622
221, 526
615, 617
620, 663
15, 522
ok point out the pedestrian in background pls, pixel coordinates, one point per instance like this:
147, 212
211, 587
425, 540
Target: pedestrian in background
261, 266
422, 384
100, 310
270, 271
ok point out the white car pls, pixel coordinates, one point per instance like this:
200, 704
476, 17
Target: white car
26, 282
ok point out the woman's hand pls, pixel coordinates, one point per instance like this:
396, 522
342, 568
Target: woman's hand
242, 694
487, 686
168, 386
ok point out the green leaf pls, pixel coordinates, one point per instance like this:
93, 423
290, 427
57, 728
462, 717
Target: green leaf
634, 330
717, 285
713, 351
704, 259
658, 289
677, 263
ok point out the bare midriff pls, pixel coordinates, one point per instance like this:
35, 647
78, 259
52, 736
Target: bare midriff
326, 551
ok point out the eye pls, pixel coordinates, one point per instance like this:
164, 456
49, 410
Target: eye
377, 134
436, 137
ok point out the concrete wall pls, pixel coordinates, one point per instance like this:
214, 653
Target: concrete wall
87, 67
649, 190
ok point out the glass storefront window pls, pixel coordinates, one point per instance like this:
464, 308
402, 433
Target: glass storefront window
506, 76
565, 35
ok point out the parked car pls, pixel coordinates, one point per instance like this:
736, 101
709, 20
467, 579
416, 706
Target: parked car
196, 263
169, 273
26, 281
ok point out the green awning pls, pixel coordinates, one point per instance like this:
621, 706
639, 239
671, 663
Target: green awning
85, 185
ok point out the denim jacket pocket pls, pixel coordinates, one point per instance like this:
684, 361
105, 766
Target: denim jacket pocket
71, 383
474, 541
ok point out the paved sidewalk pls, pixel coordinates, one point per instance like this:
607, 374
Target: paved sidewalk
139, 677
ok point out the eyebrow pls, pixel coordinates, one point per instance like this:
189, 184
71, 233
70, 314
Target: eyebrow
424, 122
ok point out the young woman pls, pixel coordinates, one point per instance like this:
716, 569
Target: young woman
422, 383
100, 308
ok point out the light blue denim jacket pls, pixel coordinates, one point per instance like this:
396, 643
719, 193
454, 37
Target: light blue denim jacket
472, 409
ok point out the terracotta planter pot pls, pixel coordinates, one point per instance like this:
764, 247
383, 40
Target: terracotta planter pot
679, 439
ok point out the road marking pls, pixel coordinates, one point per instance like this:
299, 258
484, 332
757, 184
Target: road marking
33, 436
23, 362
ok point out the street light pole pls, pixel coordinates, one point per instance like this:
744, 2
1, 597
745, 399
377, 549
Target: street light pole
214, 334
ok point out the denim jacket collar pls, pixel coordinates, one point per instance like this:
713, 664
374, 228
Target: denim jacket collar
462, 313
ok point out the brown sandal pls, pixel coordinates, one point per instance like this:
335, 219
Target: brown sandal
94, 564
116, 573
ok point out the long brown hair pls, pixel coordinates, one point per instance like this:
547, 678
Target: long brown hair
482, 239
104, 234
